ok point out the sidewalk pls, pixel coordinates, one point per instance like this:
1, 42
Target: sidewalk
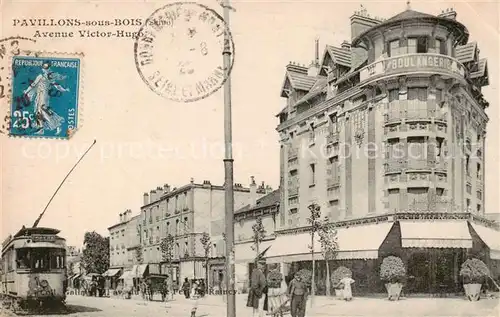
360, 306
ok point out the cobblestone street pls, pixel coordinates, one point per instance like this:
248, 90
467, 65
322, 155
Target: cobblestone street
213, 306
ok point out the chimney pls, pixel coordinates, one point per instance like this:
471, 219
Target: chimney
253, 191
192, 181
159, 192
146, 199
313, 69
206, 183
269, 189
166, 188
449, 13
361, 21
121, 218
152, 196
346, 45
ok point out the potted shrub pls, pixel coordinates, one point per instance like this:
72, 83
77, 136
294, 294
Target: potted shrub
339, 273
306, 276
474, 273
274, 279
393, 273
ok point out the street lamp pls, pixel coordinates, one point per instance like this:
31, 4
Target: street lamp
228, 169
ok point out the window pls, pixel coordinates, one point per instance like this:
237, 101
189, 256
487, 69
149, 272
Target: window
214, 250
467, 162
312, 168
394, 49
186, 249
176, 226
393, 200
418, 45
168, 227
417, 148
393, 94
441, 47
478, 168
439, 149
479, 195
417, 93
334, 213
417, 198
467, 201
412, 46
478, 208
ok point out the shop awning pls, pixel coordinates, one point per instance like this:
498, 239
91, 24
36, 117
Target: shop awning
75, 276
141, 269
356, 242
244, 252
111, 272
126, 275
490, 237
435, 234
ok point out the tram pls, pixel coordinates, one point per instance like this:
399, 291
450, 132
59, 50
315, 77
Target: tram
33, 271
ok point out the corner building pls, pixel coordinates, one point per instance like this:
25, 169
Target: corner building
387, 133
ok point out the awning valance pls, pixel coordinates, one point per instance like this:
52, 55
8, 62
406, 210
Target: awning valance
435, 234
111, 272
490, 237
356, 242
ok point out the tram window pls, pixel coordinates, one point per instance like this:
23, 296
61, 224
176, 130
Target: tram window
57, 260
23, 259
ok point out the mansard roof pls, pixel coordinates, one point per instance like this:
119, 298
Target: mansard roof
296, 78
318, 88
408, 15
269, 200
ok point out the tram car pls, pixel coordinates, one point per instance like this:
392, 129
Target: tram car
33, 269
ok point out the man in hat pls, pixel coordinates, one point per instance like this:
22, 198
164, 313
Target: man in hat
256, 296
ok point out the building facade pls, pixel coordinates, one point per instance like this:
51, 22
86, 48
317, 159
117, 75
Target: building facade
386, 134
266, 208
120, 254
185, 213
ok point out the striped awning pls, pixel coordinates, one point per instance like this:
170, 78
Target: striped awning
356, 242
435, 234
127, 275
490, 237
199, 270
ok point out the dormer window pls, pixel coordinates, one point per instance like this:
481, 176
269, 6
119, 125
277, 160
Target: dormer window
418, 45
440, 47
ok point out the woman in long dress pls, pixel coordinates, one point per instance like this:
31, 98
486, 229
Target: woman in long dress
277, 298
38, 92
347, 291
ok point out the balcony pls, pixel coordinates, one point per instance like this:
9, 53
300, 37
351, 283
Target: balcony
395, 166
293, 163
293, 191
332, 150
419, 165
413, 64
441, 166
293, 153
332, 138
333, 182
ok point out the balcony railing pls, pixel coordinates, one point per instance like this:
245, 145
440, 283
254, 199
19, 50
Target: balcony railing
419, 164
393, 166
413, 63
293, 191
333, 182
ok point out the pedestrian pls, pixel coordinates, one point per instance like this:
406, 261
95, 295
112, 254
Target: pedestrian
202, 288
186, 287
298, 296
258, 283
194, 290
347, 291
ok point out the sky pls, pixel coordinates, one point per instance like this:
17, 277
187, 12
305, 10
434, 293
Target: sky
145, 141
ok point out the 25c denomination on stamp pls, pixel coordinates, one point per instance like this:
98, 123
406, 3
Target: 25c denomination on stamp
178, 51
45, 95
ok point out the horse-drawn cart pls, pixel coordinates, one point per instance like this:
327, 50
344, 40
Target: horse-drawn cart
156, 284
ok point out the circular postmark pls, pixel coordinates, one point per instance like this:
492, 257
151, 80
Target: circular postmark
179, 51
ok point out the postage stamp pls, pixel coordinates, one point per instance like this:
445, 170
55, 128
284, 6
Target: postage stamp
45, 95
9, 47
178, 51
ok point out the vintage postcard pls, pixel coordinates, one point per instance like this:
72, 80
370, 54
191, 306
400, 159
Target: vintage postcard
249, 158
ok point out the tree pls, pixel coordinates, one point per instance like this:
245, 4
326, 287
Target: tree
259, 232
138, 254
167, 255
329, 247
315, 222
207, 246
95, 256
